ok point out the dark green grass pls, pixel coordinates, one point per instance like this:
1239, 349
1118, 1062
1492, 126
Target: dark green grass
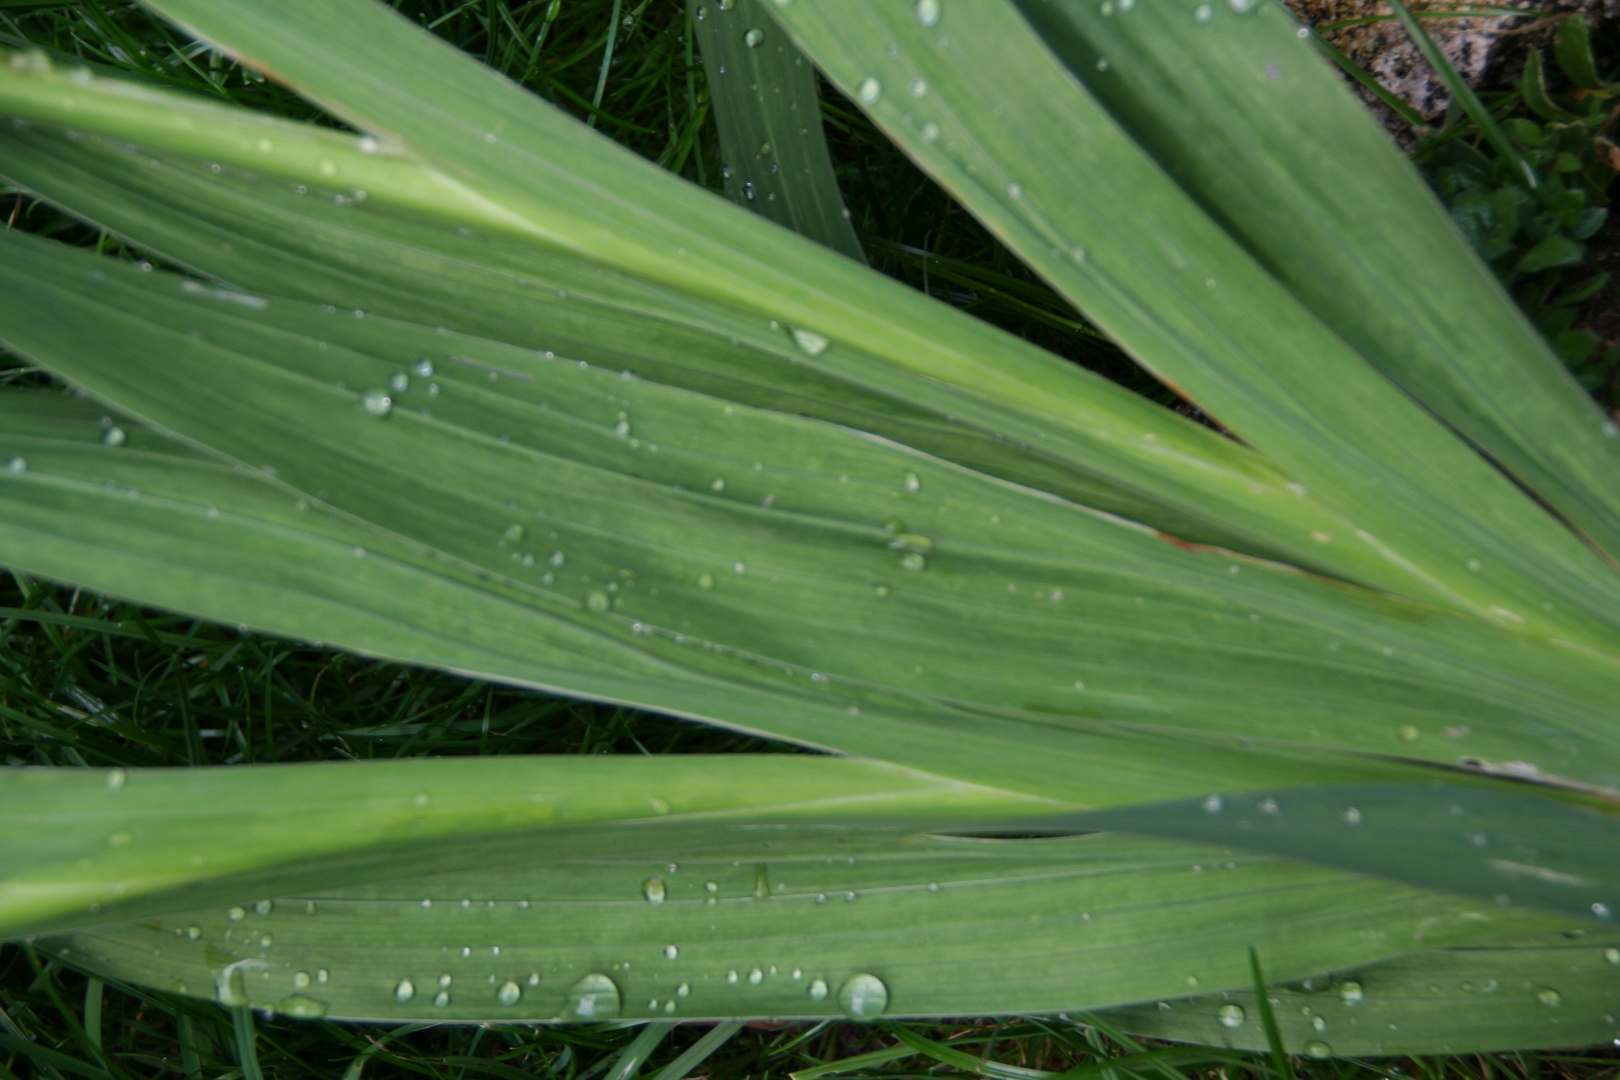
87, 681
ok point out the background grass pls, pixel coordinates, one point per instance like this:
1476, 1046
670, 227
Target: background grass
89, 681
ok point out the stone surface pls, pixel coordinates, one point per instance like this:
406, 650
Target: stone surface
1486, 51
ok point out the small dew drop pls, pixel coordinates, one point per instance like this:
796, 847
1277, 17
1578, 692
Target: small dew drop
1316, 1048
928, 13
1213, 804
754, 38
817, 990
301, 979
919, 87
717, 485
1203, 13
597, 601
755, 977
1548, 996
115, 777
1612, 955
913, 482
16, 466
193, 932
869, 91
302, 1008
705, 581
913, 561
399, 382
236, 914
1351, 993
509, 994
653, 890
812, 343
441, 999
404, 990
930, 132
1231, 1016
671, 952
377, 403
263, 907
114, 436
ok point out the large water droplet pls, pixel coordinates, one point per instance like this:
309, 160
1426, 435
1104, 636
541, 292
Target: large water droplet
304, 1008
755, 977
863, 997
404, 990
377, 403
1612, 955
1231, 1016
869, 91
509, 994
1316, 1048
593, 997
1351, 993
754, 38
812, 343
114, 436
1548, 996
671, 952
653, 890
927, 12
818, 990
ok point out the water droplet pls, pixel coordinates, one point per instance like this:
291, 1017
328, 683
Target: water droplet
863, 997
263, 907
404, 990
732, 977
918, 87
597, 601
265, 941
1014, 191
423, 367
1266, 806
1203, 13
653, 890
930, 132
1213, 804
377, 403
445, 981
1548, 996
327, 166
1316, 1048
1102, 63
322, 975
16, 466
817, 990
1612, 955
927, 13
1352, 816
1320, 1024
301, 1007
235, 914
671, 952
748, 189
717, 485
683, 990
301, 979
193, 932
755, 977
1351, 993
1231, 1016
442, 998
754, 38
1408, 733
914, 562
399, 382
812, 343
593, 997
509, 994
119, 839
114, 436
869, 91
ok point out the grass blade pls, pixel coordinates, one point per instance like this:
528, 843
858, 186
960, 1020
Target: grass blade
769, 115
700, 1051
